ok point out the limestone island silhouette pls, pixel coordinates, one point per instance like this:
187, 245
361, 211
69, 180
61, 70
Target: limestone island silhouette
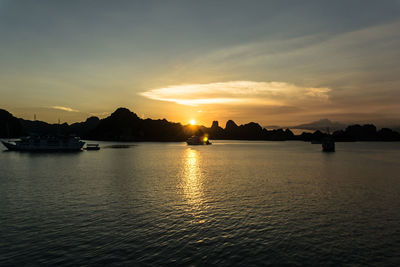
124, 125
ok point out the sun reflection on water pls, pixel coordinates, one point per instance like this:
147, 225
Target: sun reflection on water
192, 182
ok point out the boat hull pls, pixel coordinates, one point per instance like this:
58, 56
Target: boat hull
92, 148
20, 147
198, 141
197, 144
9, 146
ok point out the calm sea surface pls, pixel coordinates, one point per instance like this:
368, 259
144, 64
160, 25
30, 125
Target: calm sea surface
232, 203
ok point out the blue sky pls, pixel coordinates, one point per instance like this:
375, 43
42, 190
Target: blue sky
274, 62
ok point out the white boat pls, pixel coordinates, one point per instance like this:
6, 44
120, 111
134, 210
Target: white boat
198, 140
47, 143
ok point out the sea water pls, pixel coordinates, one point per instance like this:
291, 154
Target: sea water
231, 203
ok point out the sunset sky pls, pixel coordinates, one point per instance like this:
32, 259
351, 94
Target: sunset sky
272, 62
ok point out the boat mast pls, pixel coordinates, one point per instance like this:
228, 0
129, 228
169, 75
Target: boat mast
7, 130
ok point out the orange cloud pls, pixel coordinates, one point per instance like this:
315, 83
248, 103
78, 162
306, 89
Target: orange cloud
238, 93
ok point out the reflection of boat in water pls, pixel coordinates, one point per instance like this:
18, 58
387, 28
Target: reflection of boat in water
198, 140
92, 147
328, 144
47, 143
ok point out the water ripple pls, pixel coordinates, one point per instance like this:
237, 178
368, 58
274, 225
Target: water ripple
236, 204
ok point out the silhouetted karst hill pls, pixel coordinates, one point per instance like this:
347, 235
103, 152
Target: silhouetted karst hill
321, 125
231, 126
318, 136
366, 132
216, 132
394, 128
357, 133
10, 126
231, 130
124, 125
124, 115
121, 125
162, 130
249, 131
43, 128
84, 128
386, 134
315, 136
278, 135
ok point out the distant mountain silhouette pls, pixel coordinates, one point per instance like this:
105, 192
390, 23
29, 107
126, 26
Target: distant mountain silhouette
321, 125
273, 127
124, 125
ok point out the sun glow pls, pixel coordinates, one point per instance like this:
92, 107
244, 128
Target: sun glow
192, 122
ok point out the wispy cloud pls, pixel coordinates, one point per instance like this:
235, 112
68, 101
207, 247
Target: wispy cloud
238, 92
101, 114
64, 108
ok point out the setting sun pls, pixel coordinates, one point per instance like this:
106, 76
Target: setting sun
192, 122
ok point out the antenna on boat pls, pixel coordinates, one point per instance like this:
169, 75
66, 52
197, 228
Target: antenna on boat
34, 117
7, 130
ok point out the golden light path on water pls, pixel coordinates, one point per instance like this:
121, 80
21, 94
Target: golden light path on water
192, 184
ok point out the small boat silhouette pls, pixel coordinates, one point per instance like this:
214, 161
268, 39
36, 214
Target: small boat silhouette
198, 140
328, 144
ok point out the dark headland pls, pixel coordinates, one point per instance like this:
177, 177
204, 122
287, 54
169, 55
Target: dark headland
124, 125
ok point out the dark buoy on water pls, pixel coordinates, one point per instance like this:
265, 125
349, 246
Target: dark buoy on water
328, 144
